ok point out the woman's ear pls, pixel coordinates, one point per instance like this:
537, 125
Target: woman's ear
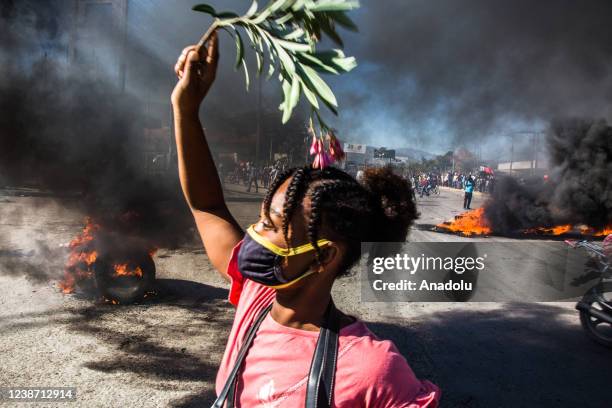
330, 255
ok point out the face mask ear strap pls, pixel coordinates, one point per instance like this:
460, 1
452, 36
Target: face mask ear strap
291, 283
283, 251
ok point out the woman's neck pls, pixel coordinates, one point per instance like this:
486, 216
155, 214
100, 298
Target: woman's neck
304, 308
300, 309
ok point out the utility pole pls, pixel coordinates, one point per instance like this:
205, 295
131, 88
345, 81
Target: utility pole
535, 151
258, 135
123, 6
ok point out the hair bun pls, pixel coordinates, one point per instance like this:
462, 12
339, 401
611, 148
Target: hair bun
392, 194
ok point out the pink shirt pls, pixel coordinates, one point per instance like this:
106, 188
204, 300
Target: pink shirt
370, 372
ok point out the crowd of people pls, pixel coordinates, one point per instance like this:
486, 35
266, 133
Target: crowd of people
484, 183
255, 177
426, 184
252, 176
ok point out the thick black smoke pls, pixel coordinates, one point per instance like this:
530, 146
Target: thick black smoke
467, 69
578, 192
67, 132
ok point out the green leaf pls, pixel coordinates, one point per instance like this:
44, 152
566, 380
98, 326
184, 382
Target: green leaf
293, 46
280, 5
333, 5
295, 91
246, 74
286, 85
239, 50
316, 63
252, 35
332, 108
290, 30
336, 59
344, 20
205, 8
283, 56
298, 5
310, 95
294, 35
292, 96
270, 70
270, 9
346, 64
227, 14
252, 10
263, 37
284, 19
259, 60
319, 86
327, 26
313, 28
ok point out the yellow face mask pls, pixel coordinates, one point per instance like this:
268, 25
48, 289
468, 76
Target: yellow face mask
260, 260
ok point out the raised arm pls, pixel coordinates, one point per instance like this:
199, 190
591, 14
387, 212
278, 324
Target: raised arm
197, 172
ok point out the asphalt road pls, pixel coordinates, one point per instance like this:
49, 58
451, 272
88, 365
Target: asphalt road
166, 352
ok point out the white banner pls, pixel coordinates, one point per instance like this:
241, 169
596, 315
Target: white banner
354, 148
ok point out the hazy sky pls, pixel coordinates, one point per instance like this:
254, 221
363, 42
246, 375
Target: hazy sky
432, 74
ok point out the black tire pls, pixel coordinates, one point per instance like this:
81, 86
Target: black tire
591, 324
125, 290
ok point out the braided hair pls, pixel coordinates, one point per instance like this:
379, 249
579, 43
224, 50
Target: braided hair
377, 209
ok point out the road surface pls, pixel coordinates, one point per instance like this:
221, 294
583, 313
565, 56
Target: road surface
166, 352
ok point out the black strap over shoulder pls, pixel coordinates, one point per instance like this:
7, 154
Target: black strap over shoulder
248, 340
320, 388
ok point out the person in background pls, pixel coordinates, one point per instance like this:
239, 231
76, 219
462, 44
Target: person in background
359, 176
469, 189
252, 177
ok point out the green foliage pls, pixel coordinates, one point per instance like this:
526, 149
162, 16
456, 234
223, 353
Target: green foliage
284, 34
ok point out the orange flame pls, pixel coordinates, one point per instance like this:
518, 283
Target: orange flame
469, 223
124, 270
557, 230
607, 230
79, 266
474, 222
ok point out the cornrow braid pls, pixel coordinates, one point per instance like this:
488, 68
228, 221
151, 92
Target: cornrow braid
379, 208
278, 180
325, 189
293, 196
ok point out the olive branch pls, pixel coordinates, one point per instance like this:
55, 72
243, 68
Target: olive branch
283, 35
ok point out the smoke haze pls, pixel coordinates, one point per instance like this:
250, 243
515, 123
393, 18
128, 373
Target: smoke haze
442, 73
579, 190
431, 75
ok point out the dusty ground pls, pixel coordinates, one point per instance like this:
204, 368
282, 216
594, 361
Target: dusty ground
166, 352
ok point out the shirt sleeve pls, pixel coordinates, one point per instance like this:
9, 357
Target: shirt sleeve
395, 385
236, 278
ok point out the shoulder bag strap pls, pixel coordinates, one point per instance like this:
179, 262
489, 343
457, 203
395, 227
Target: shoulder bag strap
248, 340
320, 389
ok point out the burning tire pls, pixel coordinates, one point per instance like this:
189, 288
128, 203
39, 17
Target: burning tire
125, 279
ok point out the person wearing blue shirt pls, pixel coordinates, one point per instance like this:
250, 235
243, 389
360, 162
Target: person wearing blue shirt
469, 189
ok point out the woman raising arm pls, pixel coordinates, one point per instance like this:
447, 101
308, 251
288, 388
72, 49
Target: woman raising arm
197, 172
289, 345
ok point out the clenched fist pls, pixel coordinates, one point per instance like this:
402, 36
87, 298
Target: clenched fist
196, 73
